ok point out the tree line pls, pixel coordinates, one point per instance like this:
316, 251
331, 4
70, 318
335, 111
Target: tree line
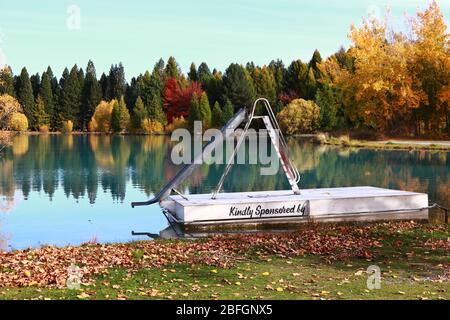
386, 83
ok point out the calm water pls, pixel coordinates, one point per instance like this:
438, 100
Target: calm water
73, 189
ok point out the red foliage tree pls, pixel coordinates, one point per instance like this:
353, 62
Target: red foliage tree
177, 99
287, 97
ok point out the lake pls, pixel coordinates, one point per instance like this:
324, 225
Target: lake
61, 190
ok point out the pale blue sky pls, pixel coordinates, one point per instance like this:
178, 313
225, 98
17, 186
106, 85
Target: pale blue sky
137, 32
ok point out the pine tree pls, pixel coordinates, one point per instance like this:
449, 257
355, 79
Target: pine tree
314, 64
300, 80
326, 100
115, 117
214, 88
47, 96
238, 86
91, 95
171, 70
193, 73
25, 95
228, 111
217, 116
159, 68
58, 114
194, 111
140, 113
7, 81
35, 80
116, 79
156, 111
41, 118
71, 97
104, 85
205, 111
204, 74
279, 74
265, 84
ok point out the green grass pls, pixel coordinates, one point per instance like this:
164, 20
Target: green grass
409, 271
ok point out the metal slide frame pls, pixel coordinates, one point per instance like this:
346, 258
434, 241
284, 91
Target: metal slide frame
278, 141
275, 134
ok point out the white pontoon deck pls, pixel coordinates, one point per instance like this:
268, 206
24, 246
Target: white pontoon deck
253, 207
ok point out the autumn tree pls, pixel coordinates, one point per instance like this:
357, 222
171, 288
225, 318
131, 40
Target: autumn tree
299, 116
205, 110
265, 84
101, 120
8, 106
124, 120
431, 65
178, 99
40, 116
140, 113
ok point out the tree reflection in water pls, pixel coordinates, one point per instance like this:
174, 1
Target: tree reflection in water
82, 165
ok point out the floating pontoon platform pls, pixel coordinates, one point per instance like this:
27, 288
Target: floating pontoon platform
330, 203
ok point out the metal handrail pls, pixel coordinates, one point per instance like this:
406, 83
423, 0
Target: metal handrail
283, 143
275, 125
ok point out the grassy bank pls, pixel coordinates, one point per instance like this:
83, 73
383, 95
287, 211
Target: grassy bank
318, 262
345, 141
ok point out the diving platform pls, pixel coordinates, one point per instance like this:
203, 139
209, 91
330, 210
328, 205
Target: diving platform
285, 206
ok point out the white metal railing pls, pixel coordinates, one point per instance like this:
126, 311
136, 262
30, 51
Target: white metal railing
291, 171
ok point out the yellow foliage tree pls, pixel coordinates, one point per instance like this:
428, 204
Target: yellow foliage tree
101, 120
66, 126
8, 106
299, 116
394, 81
18, 122
152, 126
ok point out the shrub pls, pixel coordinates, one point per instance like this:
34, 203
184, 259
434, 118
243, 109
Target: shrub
345, 140
18, 122
178, 122
92, 125
66, 126
152, 126
321, 138
43, 129
299, 116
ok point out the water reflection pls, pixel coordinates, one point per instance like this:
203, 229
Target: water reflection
99, 175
